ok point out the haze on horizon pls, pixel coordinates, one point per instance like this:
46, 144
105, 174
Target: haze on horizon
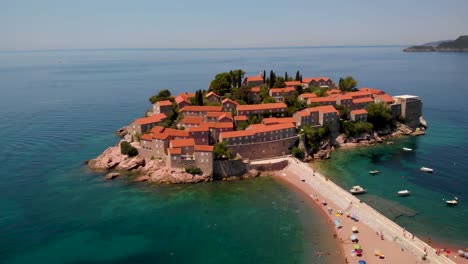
86, 24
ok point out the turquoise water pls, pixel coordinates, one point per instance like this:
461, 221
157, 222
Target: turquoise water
59, 108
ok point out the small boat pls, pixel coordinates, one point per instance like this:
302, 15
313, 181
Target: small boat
407, 149
452, 202
374, 172
357, 190
404, 193
426, 169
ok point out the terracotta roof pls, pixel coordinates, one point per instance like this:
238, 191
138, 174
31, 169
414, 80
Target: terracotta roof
149, 120
358, 94
192, 120
261, 106
371, 90
305, 96
344, 97
176, 132
219, 114
204, 108
386, 98
164, 103
255, 89
178, 143
303, 113
211, 94
276, 120
317, 79
187, 96
162, 136
147, 137
203, 148
260, 128
218, 124
233, 134
201, 128
359, 112
321, 99
180, 99
324, 109
225, 100
254, 78
240, 118
157, 129
282, 90
333, 91
174, 151
292, 83
363, 100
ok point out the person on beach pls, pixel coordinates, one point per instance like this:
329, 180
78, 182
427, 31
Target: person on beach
412, 238
381, 237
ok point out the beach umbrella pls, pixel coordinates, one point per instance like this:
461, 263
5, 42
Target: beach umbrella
354, 229
357, 246
353, 237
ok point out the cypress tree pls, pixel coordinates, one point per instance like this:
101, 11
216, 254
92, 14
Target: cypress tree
297, 76
264, 76
286, 77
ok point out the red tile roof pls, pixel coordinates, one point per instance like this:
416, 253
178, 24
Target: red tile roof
150, 120
180, 99
211, 94
371, 90
359, 112
292, 83
254, 78
187, 96
282, 90
176, 132
164, 103
233, 134
386, 98
218, 124
333, 91
324, 109
174, 151
321, 99
178, 143
204, 108
261, 106
359, 94
303, 113
344, 97
260, 128
240, 118
201, 128
317, 79
255, 89
305, 96
161, 136
276, 120
219, 114
147, 137
363, 100
204, 148
192, 120
225, 100
157, 129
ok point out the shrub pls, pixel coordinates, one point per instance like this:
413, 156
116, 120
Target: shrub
193, 170
297, 153
127, 149
221, 151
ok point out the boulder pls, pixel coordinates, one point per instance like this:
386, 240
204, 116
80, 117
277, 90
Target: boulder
142, 178
122, 131
131, 163
164, 175
109, 159
112, 175
340, 139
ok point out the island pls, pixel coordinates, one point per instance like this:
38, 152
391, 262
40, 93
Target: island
460, 44
226, 131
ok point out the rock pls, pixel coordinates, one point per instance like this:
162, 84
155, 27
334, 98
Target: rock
132, 163
122, 131
112, 175
340, 139
109, 159
164, 175
322, 154
128, 138
142, 178
390, 143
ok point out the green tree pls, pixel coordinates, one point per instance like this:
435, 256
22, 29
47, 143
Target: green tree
193, 170
127, 149
241, 93
286, 77
379, 115
344, 111
297, 153
279, 82
298, 74
264, 76
351, 128
321, 92
314, 136
347, 84
269, 100
161, 96
221, 84
272, 78
242, 125
221, 151
264, 92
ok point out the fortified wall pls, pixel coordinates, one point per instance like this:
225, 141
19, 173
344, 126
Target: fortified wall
268, 149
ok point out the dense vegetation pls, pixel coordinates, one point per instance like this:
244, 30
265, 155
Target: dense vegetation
352, 128
348, 84
172, 117
127, 149
379, 116
193, 170
297, 153
460, 43
314, 136
161, 96
221, 151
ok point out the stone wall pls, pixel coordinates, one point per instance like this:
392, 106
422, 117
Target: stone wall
412, 111
269, 166
264, 149
227, 168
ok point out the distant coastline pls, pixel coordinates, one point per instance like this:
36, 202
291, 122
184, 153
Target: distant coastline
458, 45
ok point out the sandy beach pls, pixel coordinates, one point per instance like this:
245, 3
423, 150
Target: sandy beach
375, 233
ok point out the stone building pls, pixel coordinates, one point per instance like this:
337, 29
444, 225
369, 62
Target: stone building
259, 109
162, 107
359, 115
411, 109
145, 124
317, 82
253, 80
213, 98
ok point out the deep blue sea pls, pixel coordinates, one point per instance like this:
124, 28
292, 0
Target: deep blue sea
59, 108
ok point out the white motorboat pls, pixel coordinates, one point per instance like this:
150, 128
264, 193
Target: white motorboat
357, 190
452, 202
407, 149
374, 172
404, 192
426, 169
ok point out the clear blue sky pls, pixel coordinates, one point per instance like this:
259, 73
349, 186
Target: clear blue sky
66, 24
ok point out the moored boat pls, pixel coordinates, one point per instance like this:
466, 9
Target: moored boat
426, 169
357, 190
407, 149
452, 202
374, 172
404, 192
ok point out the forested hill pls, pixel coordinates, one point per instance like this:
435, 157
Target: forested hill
460, 44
